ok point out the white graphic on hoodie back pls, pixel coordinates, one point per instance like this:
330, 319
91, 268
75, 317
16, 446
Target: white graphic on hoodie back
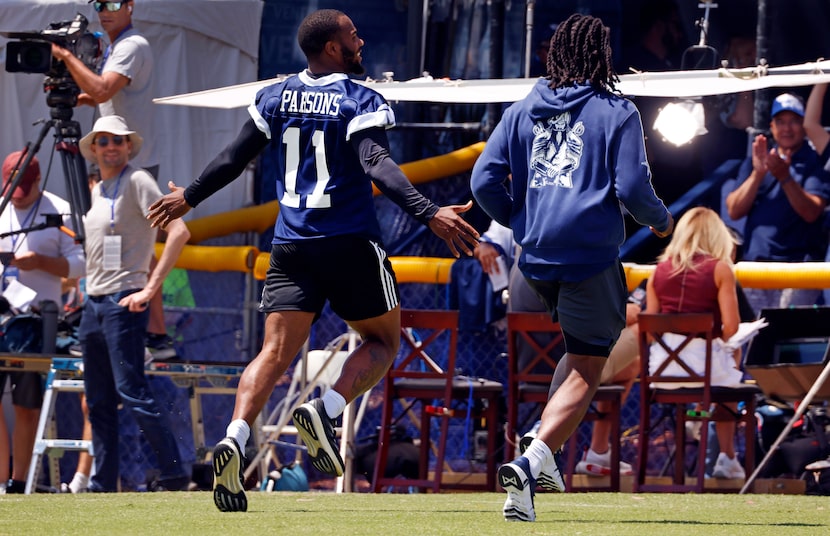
556, 151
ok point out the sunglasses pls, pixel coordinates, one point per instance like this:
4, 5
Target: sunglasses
109, 6
103, 141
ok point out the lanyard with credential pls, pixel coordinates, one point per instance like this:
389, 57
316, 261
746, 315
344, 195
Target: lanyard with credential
113, 198
112, 241
23, 224
109, 47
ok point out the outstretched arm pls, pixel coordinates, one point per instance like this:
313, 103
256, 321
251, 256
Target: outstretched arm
373, 149
219, 173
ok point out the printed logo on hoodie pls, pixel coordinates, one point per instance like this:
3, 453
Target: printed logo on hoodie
556, 151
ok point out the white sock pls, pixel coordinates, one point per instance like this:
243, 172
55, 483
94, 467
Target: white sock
537, 454
240, 431
79, 482
334, 403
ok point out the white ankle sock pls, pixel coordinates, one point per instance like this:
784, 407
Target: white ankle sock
334, 403
79, 482
537, 454
240, 431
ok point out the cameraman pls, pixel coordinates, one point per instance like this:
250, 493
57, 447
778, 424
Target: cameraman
124, 84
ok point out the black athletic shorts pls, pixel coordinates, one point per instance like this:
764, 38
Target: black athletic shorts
27, 388
351, 272
591, 312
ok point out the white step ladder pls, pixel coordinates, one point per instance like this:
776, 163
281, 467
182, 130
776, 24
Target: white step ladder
64, 377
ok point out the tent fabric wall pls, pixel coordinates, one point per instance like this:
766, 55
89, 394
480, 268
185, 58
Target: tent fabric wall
197, 44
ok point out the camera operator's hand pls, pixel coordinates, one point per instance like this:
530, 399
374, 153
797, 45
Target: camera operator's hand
95, 88
60, 53
169, 207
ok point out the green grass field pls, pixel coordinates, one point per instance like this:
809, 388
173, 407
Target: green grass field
327, 513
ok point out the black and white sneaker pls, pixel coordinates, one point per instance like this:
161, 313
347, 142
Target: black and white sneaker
160, 346
317, 431
550, 477
228, 488
517, 481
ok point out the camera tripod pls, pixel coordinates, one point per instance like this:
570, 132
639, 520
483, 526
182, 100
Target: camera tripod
67, 135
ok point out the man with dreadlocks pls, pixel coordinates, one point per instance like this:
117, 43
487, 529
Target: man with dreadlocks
555, 170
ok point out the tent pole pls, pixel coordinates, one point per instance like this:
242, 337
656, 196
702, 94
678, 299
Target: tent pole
496, 58
529, 13
760, 118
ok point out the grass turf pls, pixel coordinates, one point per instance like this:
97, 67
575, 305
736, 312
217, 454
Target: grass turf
617, 514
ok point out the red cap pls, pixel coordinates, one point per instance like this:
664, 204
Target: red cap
32, 173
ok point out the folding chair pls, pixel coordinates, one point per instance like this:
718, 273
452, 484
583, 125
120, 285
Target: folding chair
423, 375
692, 388
315, 372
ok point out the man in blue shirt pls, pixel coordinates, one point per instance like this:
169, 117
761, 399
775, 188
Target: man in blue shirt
329, 136
783, 192
555, 170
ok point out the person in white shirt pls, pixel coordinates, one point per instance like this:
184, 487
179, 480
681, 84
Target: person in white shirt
38, 260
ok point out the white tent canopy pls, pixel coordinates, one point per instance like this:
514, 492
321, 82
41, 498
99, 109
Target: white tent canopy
679, 84
197, 44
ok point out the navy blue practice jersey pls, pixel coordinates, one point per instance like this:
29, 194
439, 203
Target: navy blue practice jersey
321, 186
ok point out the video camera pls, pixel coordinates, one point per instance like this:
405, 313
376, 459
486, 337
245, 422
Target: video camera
33, 54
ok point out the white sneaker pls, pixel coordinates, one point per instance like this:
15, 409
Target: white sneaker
550, 478
726, 467
600, 464
517, 481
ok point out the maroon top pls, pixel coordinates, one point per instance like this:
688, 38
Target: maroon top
689, 291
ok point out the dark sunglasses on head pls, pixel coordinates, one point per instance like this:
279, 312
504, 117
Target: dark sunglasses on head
103, 141
109, 6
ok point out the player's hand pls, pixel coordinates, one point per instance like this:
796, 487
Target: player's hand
169, 207
668, 230
457, 233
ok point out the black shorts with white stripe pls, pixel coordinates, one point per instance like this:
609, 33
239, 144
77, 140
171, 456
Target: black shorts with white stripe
352, 272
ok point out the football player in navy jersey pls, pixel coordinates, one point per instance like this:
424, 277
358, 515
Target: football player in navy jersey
328, 135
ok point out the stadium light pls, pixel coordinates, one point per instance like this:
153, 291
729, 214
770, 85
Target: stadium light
679, 122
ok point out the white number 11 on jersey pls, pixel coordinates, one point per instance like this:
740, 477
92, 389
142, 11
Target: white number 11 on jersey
317, 199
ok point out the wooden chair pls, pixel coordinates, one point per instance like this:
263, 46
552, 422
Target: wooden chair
653, 390
530, 382
420, 378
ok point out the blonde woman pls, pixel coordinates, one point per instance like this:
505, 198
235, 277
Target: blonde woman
695, 275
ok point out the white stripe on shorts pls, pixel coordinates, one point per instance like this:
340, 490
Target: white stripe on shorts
386, 279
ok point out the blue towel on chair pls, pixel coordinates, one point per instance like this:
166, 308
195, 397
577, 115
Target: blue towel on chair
472, 294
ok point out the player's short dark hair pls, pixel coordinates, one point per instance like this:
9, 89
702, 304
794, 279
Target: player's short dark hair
317, 29
580, 51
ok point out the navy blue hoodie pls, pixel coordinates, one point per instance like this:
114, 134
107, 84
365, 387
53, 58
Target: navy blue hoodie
574, 155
